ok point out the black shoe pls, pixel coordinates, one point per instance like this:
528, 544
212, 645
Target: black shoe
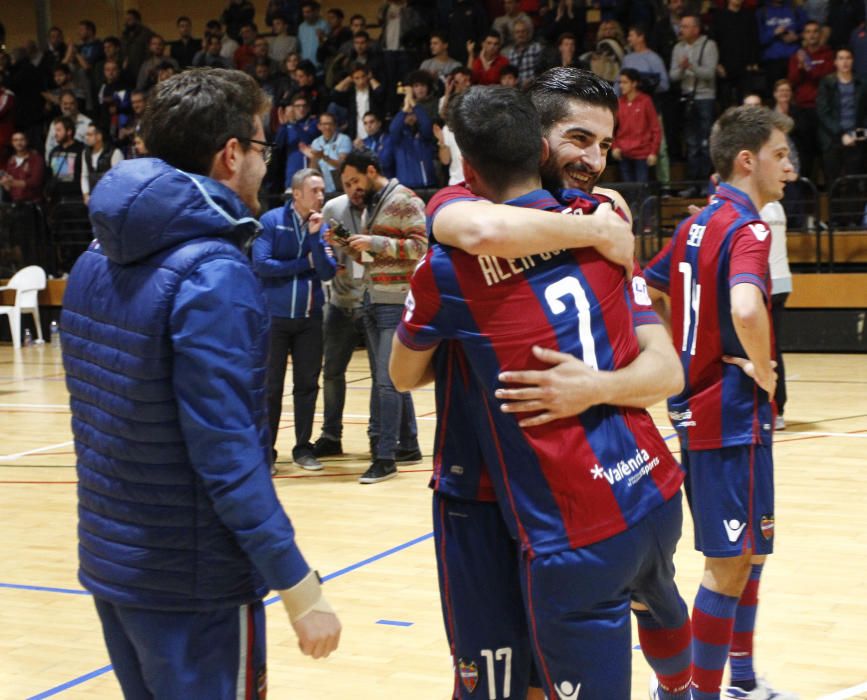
326, 447
379, 470
303, 457
408, 456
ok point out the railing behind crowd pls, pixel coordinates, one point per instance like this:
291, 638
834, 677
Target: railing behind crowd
847, 221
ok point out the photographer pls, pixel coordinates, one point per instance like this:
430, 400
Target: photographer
412, 136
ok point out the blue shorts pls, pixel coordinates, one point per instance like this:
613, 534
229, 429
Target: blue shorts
731, 496
480, 592
578, 605
216, 654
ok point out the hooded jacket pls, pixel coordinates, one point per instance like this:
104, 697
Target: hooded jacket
165, 336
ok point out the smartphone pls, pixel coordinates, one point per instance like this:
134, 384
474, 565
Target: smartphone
861, 134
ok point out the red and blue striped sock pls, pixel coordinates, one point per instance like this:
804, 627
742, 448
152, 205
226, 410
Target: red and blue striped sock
713, 619
741, 653
668, 652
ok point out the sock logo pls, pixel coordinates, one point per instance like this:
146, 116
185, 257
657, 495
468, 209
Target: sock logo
565, 691
734, 528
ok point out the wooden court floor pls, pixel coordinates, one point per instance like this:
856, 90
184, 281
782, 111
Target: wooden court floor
373, 545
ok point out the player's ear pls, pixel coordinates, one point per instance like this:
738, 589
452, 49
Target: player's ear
546, 151
470, 175
745, 160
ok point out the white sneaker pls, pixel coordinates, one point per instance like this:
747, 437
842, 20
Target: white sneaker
762, 691
779, 423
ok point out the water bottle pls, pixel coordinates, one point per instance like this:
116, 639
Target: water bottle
28, 338
54, 334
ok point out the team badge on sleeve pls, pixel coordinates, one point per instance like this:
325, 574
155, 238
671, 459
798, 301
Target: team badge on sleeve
767, 526
760, 231
469, 674
639, 291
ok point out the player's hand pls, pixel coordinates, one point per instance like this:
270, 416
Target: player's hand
318, 633
359, 242
568, 388
768, 383
652, 159
618, 243
616, 153
694, 209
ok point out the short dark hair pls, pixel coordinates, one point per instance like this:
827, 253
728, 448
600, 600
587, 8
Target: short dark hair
191, 116
96, 126
363, 67
638, 29
310, 3
63, 68
360, 159
307, 66
553, 91
67, 122
462, 69
566, 35
89, 24
632, 74
420, 76
743, 129
335, 11
66, 92
442, 36
361, 33
494, 34
135, 13
113, 40
357, 16
371, 113
183, 18
844, 48
510, 69
213, 24
499, 133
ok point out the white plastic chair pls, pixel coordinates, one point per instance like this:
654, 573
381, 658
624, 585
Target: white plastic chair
26, 282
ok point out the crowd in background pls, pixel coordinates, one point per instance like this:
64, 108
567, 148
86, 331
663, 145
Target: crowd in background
70, 109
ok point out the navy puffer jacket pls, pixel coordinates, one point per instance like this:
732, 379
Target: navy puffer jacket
165, 337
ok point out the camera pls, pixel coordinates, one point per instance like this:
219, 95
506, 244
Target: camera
404, 89
860, 134
338, 230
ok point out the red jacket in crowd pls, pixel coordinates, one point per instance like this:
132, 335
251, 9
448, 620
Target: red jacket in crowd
638, 133
32, 171
491, 76
805, 81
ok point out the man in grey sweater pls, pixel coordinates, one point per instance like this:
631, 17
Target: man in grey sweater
693, 65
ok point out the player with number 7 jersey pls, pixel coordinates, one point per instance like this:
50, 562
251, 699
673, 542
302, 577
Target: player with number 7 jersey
575, 481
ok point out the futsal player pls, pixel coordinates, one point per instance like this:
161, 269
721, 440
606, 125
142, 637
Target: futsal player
715, 271
568, 490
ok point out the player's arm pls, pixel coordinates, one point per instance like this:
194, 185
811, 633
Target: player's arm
410, 369
484, 228
570, 386
617, 198
662, 307
752, 326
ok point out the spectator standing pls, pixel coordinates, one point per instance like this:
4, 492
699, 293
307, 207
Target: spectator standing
211, 55
24, 172
774, 215
378, 142
113, 100
328, 150
638, 135
693, 65
55, 50
607, 56
366, 52
64, 162
412, 137
486, 63
666, 31
735, 30
260, 56
311, 32
505, 23
126, 134
185, 47
25, 80
401, 27
807, 66
858, 44
98, 158
393, 240
842, 107
359, 93
525, 54
299, 127
292, 261
281, 43
648, 63
843, 15
197, 337
69, 109
135, 41
338, 35
780, 26
466, 21
7, 118
449, 153
308, 83
569, 17
236, 14
147, 73
244, 54
440, 64
422, 87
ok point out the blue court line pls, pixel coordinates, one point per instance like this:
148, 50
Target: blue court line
70, 684
45, 589
105, 669
669, 437
395, 623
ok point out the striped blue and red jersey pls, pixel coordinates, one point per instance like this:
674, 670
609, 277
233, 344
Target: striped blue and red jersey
574, 481
723, 245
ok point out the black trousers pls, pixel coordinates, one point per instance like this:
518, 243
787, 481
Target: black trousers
778, 303
302, 339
